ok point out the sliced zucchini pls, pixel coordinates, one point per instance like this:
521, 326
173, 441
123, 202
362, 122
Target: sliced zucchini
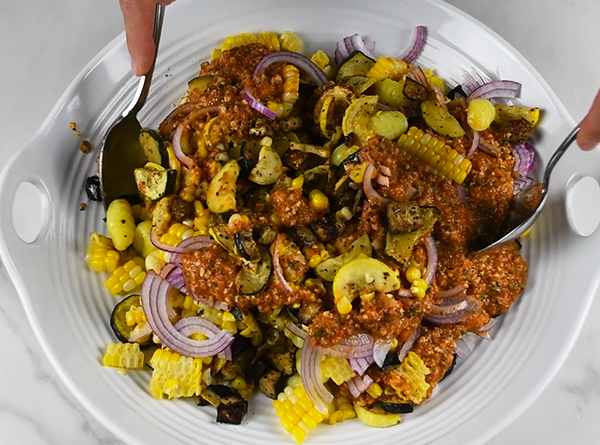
155, 182
200, 83
268, 169
118, 323
357, 117
399, 246
439, 118
376, 416
361, 83
505, 113
389, 124
154, 148
220, 196
391, 93
356, 64
249, 283
363, 274
329, 268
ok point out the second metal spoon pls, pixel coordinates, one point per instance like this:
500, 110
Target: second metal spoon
527, 205
121, 151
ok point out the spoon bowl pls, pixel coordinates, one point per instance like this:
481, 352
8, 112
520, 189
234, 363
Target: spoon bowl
121, 150
526, 206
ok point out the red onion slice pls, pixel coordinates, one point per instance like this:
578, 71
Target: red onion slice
155, 299
357, 346
525, 158
380, 351
258, 106
358, 385
277, 266
296, 59
450, 292
465, 345
310, 371
385, 170
432, 259
296, 330
416, 47
360, 365
136, 334
352, 43
368, 188
496, 88
179, 154
474, 144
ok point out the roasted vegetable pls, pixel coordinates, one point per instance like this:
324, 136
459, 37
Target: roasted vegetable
250, 282
439, 119
154, 148
399, 246
118, 321
231, 407
220, 196
376, 416
154, 181
268, 168
199, 83
272, 383
357, 117
329, 268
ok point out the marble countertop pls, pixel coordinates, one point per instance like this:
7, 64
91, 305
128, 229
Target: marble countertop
44, 44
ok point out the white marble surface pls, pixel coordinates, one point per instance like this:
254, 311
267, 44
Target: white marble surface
45, 43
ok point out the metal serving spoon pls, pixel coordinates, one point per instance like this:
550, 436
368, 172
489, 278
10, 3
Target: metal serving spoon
526, 206
121, 151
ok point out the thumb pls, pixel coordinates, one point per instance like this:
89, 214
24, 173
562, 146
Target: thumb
138, 17
589, 133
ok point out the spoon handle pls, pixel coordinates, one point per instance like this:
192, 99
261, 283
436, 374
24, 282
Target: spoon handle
559, 152
141, 94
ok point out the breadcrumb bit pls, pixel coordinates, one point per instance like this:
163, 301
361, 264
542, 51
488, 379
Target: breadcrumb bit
82, 206
73, 126
85, 146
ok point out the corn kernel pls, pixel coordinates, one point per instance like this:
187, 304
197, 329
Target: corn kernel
480, 114
314, 260
367, 297
344, 306
318, 200
412, 274
375, 390
298, 182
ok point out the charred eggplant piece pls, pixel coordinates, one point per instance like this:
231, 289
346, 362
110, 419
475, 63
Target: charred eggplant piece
250, 282
231, 407
93, 189
397, 408
117, 319
404, 217
283, 359
272, 383
399, 246
328, 227
305, 237
245, 245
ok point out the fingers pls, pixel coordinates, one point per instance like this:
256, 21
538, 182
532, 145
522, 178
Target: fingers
589, 133
138, 17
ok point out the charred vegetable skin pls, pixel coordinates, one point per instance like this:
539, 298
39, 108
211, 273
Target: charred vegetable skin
329, 218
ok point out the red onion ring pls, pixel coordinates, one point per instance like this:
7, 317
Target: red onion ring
277, 266
155, 299
382, 180
258, 106
474, 144
432, 259
194, 324
380, 351
416, 47
496, 88
450, 292
465, 345
368, 188
136, 334
296, 330
358, 385
296, 59
385, 170
360, 365
525, 158
455, 317
357, 346
349, 44
179, 154
409, 343
310, 371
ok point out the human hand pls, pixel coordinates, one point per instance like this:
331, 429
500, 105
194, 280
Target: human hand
138, 16
589, 133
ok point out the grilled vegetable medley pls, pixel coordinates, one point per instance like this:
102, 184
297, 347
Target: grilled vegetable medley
306, 227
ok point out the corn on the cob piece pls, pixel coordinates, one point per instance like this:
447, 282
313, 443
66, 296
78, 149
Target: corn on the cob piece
414, 386
336, 369
291, 83
127, 277
290, 41
388, 68
175, 375
297, 412
123, 355
267, 39
447, 162
102, 255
